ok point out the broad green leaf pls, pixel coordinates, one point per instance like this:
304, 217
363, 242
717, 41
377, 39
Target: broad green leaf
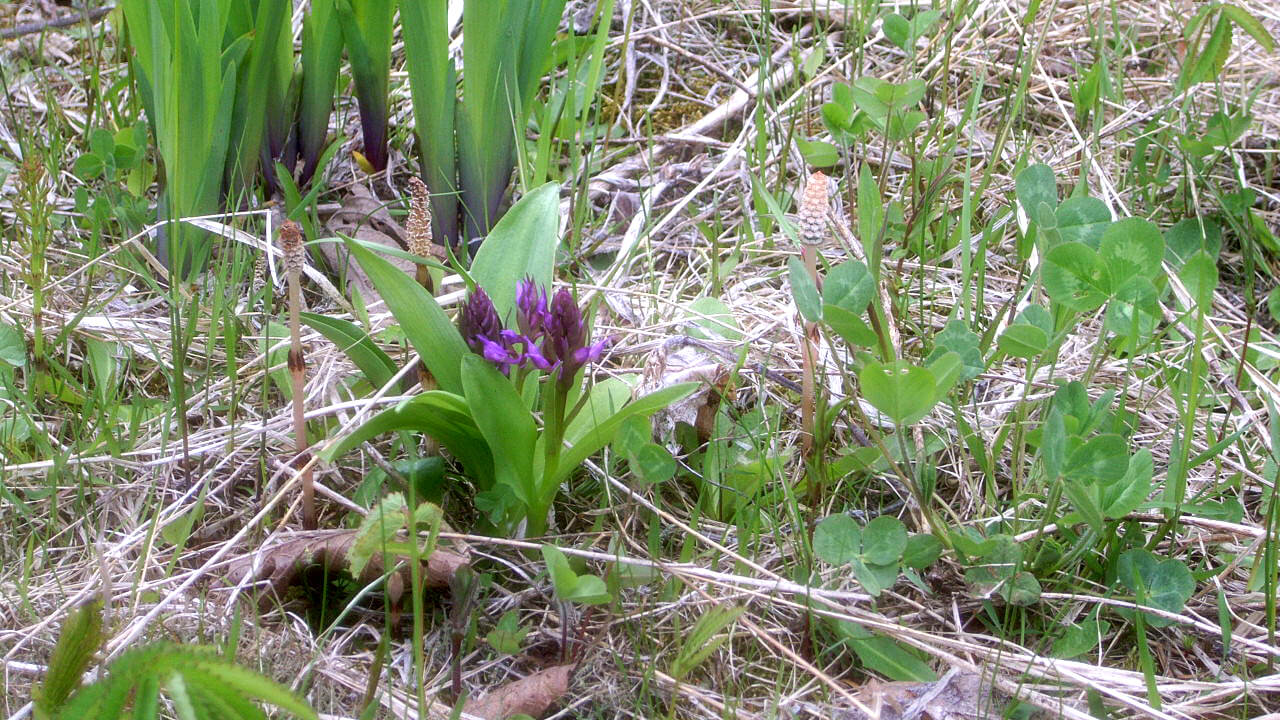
804, 290
1053, 443
523, 242
1166, 584
1132, 247
1023, 341
947, 370
884, 539
957, 338
902, 392
848, 286
377, 367
848, 325
897, 30
1082, 219
433, 85
875, 579
440, 414
1080, 638
889, 658
600, 435
837, 539
569, 586
870, 218
1084, 498
922, 551
712, 319
13, 349
1104, 458
1189, 236
508, 635
820, 154
1035, 185
604, 400
653, 463
420, 316
1021, 589
507, 425
1200, 275
1124, 497
1074, 277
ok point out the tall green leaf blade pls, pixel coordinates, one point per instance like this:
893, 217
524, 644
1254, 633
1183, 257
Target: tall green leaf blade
321, 57
356, 344
442, 415
78, 640
524, 242
503, 419
420, 316
433, 83
367, 30
601, 434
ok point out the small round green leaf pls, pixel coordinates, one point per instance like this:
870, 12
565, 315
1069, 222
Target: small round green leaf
837, 539
902, 392
883, 540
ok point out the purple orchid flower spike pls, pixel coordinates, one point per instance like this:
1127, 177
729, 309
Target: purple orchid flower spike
565, 342
531, 308
479, 322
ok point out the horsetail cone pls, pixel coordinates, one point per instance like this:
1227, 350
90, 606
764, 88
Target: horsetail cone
419, 227
291, 246
813, 210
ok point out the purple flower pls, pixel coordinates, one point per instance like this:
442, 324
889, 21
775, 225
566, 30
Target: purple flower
552, 337
479, 322
565, 329
565, 341
531, 308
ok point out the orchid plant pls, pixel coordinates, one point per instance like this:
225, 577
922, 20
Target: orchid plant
515, 404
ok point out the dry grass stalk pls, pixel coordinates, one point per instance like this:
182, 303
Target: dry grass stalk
294, 257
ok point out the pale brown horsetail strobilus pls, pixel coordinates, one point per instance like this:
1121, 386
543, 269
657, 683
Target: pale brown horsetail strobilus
813, 229
291, 244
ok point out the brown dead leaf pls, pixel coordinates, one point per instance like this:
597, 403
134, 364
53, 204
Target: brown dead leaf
278, 562
364, 217
531, 695
681, 360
